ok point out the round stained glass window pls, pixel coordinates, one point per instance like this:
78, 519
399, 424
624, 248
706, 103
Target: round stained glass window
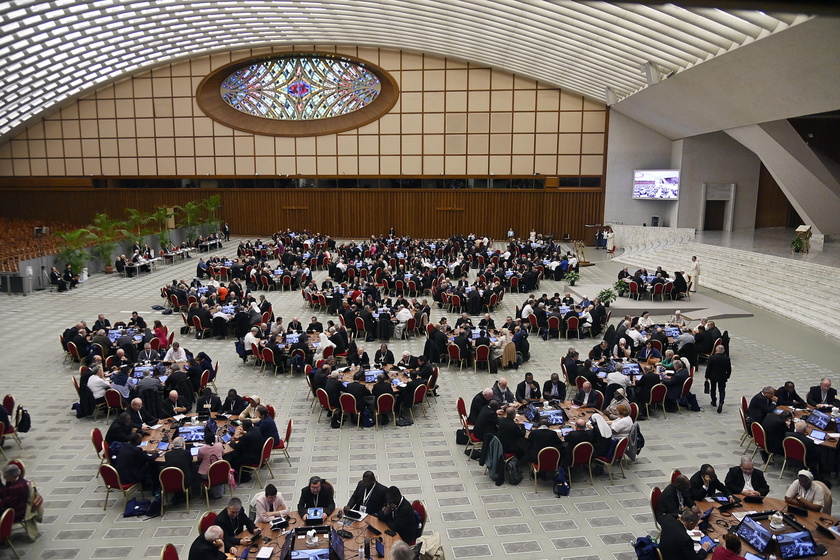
297, 94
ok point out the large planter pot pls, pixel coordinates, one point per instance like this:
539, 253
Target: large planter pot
571, 283
109, 269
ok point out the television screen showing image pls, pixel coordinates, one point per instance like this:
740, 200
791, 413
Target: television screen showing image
656, 184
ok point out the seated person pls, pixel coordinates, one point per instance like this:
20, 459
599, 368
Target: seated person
180, 458
823, 396
675, 498
501, 391
234, 404
369, 496
175, 353
746, 479
319, 493
675, 542
787, 396
511, 434
804, 493
233, 520
267, 426
120, 430
140, 418
134, 465
269, 505
14, 493
246, 451
540, 438
554, 388
586, 396
208, 402
528, 389
210, 545
57, 280
705, 484
174, 405
649, 354
580, 435
398, 514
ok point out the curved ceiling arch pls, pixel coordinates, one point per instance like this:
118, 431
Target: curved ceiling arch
55, 51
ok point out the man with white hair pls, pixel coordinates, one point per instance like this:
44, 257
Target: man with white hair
209, 546
140, 418
479, 401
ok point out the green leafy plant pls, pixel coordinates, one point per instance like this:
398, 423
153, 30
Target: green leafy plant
135, 226
160, 217
190, 218
621, 286
107, 231
607, 296
210, 205
797, 244
73, 245
572, 277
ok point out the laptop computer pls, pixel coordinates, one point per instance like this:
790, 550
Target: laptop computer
796, 545
753, 533
819, 419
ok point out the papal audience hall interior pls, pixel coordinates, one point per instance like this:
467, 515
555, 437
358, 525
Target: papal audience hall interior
533, 176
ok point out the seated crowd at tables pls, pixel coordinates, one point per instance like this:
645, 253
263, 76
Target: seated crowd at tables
645, 281
782, 413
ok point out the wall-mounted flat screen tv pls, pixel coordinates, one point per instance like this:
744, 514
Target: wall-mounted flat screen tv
656, 184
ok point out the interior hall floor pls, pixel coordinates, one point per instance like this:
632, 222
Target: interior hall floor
474, 517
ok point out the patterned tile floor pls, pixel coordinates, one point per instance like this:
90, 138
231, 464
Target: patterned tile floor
474, 517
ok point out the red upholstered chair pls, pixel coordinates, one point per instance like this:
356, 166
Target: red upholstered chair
9, 404
172, 480
218, 473
572, 324
111, 478
420, 508
454, 353
385, 404
360, 328
618, 454
657, 397
283, 444
113, 401
655, 495
268, 360
760, 438
97, 440
482, 355
73, 351
674, 475
547, 461
265, 459
349, 406
582, 456
203, 331
324, 399
255, 351
634, 411
7, 522
207, 520
474, 441
686, 389
410, 327
419, 398
462, 407
169, 552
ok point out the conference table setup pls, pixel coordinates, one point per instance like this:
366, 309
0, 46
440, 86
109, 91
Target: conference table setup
768, 527
337, 537
191, 427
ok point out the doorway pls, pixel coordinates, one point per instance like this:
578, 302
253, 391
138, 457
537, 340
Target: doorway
715, 212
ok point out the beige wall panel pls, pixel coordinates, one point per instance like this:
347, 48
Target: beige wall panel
456, 101
592, 144
591, 165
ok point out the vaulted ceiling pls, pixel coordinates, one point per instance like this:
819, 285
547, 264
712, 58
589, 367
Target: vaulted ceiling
52, 52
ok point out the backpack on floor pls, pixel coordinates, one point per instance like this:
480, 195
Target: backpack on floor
513, 472
561, 482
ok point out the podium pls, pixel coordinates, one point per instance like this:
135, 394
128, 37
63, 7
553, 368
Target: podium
804, 233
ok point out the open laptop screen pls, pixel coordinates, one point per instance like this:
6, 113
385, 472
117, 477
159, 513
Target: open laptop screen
796, 545
751, 531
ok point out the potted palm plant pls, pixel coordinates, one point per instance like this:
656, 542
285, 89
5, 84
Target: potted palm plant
797, 244
73, 245
606, 296
621, 287
107, 231
190, 218
572, 277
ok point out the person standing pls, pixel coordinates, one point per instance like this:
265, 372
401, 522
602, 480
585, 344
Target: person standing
718, 371
694, 274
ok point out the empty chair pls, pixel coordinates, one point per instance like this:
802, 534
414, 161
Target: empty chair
548, 460
172, 480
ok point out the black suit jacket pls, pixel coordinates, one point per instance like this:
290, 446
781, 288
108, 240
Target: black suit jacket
375, 500
131, 463
699, 493
669, 502
510, 434
326, 500
334, 387
248, 449
386, 358
789, 398
572, 439
735, 481
212, 403
486, 423
200, 549
402, 521
140, 418
359, 391
719, 368
548, 389
539, 439
118, 432
182, 459
815, 396
520, 391
168, 407
675, 542
234, 406
233, 527
760, 407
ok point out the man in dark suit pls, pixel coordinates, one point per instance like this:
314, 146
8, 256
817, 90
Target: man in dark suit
528, 389
370, 325
294, 326
587, 396
267, 426
488, 420
369, 496
180, 458
208, 402
705, 484
359, 391
139, 416
209, 546
174, 405
510, 433
787, 396
674, 383
762, 404
718, 371
120, 430
823, 395
399, 515
233, 520
407, 392
579, 435
675, 498
479, 401
134, 464
820, 459
675, 542
554, 388
463, 343
248, 450
776, 427
318, 493
746, 479
314, 327
384, 356
234, 404
541, 438
334, 387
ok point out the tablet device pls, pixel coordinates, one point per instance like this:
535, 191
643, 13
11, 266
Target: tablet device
226, 438
316, 512
163, 446
751, 556
707, 539
751, 531
818, 435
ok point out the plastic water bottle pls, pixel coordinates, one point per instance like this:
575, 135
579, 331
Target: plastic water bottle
361, 552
